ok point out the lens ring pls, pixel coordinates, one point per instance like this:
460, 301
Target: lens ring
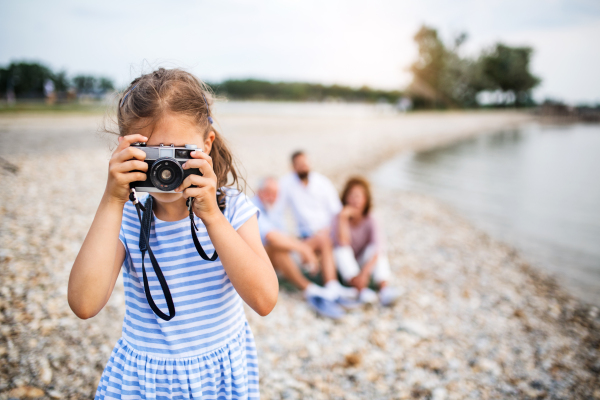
166, 174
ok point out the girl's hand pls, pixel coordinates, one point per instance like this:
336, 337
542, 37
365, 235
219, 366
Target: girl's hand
202, 188
124, 160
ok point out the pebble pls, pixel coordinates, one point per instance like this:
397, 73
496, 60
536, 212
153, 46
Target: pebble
474, 322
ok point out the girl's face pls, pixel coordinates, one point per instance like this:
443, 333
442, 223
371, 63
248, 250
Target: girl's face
179, 130
357, 198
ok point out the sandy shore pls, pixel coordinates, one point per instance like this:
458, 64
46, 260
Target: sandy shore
475, 321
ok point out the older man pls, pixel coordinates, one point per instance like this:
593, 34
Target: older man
279, 247
314, 203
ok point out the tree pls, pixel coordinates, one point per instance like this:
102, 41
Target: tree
507, 69
441, 77
431, 62
25, 79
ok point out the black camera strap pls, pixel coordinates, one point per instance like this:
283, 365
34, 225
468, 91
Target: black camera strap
144, 245
145, 225
194, 228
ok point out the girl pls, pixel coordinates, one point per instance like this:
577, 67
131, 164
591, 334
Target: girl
358, 251
207, 349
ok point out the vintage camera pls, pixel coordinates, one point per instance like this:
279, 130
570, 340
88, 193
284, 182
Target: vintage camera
164, 167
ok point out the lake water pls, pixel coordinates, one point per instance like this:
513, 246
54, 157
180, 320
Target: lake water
536, 188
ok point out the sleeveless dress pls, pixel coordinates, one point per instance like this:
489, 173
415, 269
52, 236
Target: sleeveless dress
207, 350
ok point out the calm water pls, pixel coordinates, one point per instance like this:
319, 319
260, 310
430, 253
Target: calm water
537, 188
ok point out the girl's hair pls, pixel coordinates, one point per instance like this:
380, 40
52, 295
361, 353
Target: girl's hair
152, 95
358, 181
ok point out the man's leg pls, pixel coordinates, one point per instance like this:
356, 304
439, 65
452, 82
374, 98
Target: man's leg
282, 261
321, 243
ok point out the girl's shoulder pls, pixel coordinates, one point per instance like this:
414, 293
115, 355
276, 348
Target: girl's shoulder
238, 207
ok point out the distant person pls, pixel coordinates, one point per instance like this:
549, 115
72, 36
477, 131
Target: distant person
280, 246
359, 250
314, 203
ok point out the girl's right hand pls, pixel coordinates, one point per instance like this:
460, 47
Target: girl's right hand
124, 160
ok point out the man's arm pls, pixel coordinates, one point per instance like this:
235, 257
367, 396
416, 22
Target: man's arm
281, 241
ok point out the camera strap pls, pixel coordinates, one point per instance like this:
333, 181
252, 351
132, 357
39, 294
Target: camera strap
144, 245
194, 228
145, 224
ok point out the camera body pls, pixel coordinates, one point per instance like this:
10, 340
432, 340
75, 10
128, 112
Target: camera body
165, 172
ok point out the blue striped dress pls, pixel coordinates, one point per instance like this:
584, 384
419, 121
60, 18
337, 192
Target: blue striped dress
207, 350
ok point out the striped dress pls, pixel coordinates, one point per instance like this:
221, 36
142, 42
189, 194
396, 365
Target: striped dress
207, 350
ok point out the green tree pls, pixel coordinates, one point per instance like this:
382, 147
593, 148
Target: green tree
85, 83
507, 69
106, 84
427, 70
26, 79
441, 77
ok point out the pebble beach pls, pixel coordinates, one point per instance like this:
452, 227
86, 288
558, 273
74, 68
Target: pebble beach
475, 321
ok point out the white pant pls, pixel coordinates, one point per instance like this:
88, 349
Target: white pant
348, 266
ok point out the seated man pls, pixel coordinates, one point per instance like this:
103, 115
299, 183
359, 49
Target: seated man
279, 247
314, 203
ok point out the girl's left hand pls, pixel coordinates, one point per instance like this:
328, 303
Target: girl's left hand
204, 189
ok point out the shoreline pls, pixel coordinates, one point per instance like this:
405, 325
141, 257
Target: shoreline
475, 320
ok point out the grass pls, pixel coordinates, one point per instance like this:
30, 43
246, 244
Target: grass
39, 107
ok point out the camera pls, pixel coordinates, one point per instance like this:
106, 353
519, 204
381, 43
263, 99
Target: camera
164, 167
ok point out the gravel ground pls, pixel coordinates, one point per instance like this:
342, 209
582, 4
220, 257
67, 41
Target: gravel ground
475, 320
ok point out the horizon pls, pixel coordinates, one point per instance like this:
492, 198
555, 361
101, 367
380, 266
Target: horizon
333, 43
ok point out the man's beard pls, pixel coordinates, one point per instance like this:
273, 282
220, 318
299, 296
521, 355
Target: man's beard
302, 175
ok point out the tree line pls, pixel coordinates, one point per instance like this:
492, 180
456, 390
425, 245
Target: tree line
253, 89
442, 78
30, 80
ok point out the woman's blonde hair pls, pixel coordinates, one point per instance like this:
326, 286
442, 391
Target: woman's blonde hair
152, 95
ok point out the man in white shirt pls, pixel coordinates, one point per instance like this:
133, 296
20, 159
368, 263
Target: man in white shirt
314, 203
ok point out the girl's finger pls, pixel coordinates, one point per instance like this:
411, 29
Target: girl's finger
130, 153
202, 155
194, 192
196, 180
126, 141
132, 177
203, 165
131, 165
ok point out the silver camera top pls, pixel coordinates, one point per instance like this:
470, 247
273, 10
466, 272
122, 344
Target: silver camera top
161, 151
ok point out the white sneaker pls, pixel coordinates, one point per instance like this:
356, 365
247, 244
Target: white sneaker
315, 290
341, 291
367, 296
389, 295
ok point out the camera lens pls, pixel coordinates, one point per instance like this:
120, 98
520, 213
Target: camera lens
166, 174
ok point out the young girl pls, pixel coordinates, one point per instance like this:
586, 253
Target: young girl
359, 252
207, 349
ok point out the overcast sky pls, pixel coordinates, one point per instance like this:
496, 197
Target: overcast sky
348, 42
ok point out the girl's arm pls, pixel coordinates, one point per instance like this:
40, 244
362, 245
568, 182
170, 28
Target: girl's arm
246, 262
99, 261
241, 252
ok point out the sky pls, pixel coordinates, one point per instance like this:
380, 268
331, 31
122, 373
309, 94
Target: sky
346, 42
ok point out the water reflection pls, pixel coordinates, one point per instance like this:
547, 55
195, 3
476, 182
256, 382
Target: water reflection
535, 187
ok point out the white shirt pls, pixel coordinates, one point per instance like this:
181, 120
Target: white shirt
314, 205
